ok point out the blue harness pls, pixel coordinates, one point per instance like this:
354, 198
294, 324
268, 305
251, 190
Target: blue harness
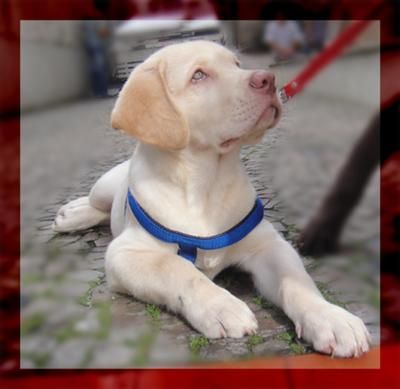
188, 244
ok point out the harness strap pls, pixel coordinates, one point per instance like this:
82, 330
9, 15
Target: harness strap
188, 244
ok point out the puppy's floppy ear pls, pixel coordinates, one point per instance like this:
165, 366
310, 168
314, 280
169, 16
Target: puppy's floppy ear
145, 110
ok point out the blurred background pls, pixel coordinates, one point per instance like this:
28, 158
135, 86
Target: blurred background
71, 72
66, 60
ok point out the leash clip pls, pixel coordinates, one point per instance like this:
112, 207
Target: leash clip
283, 97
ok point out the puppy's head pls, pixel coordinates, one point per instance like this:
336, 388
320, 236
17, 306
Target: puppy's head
196, 93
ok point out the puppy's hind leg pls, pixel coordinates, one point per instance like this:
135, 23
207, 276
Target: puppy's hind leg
89, 211
78, 215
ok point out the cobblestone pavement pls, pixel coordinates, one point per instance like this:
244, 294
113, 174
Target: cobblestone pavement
71, 320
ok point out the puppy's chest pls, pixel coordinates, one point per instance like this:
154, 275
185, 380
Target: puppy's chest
196, 226
210, 261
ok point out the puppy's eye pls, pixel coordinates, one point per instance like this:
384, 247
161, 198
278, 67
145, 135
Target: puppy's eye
238, 63
198, 75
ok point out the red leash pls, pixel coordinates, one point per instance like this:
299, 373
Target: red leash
326, 56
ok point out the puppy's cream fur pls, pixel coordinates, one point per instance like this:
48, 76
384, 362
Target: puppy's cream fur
186, 173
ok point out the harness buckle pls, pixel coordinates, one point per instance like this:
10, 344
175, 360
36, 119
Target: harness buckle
187, 251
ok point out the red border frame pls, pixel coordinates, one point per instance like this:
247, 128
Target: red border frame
11, 12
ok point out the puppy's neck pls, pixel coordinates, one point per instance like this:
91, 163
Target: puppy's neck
197, 173
187, 166
205, 186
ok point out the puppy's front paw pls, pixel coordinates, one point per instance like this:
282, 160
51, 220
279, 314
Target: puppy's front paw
224, 316
333, 330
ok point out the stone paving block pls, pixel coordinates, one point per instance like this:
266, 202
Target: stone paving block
237, 347
34, 344
72, 289
369, 314
164, 355
40, 306
45, 237
176, 326
31, 269
85, 275
272, 347
126, 333
88, 324
60, 267
101, 293
103, 241
95, 257
322, 275
72, 354
91, 236
375, 333
67, 311
279, 226
220, 353
36, 290
27, 364
96, 265
111, 356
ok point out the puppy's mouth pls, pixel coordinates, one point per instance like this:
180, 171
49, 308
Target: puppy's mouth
226, 144
271, 112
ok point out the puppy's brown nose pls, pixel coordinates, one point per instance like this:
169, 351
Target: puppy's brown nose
263, 81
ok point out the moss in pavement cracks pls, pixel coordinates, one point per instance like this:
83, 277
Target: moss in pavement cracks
103, 312
67, 332
87, 358
143, 346
86, 298
285, 336
104, 319
313, 263
144, 343
32, 278
53, 252
48, 293
258, 300
254, 340
38, 359
294, 344
153, 311
298, 348
374, 298
32, 323
291, 232
261, 302
197, 343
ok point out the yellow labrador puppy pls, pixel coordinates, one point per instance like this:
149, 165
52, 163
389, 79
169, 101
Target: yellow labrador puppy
192, 107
